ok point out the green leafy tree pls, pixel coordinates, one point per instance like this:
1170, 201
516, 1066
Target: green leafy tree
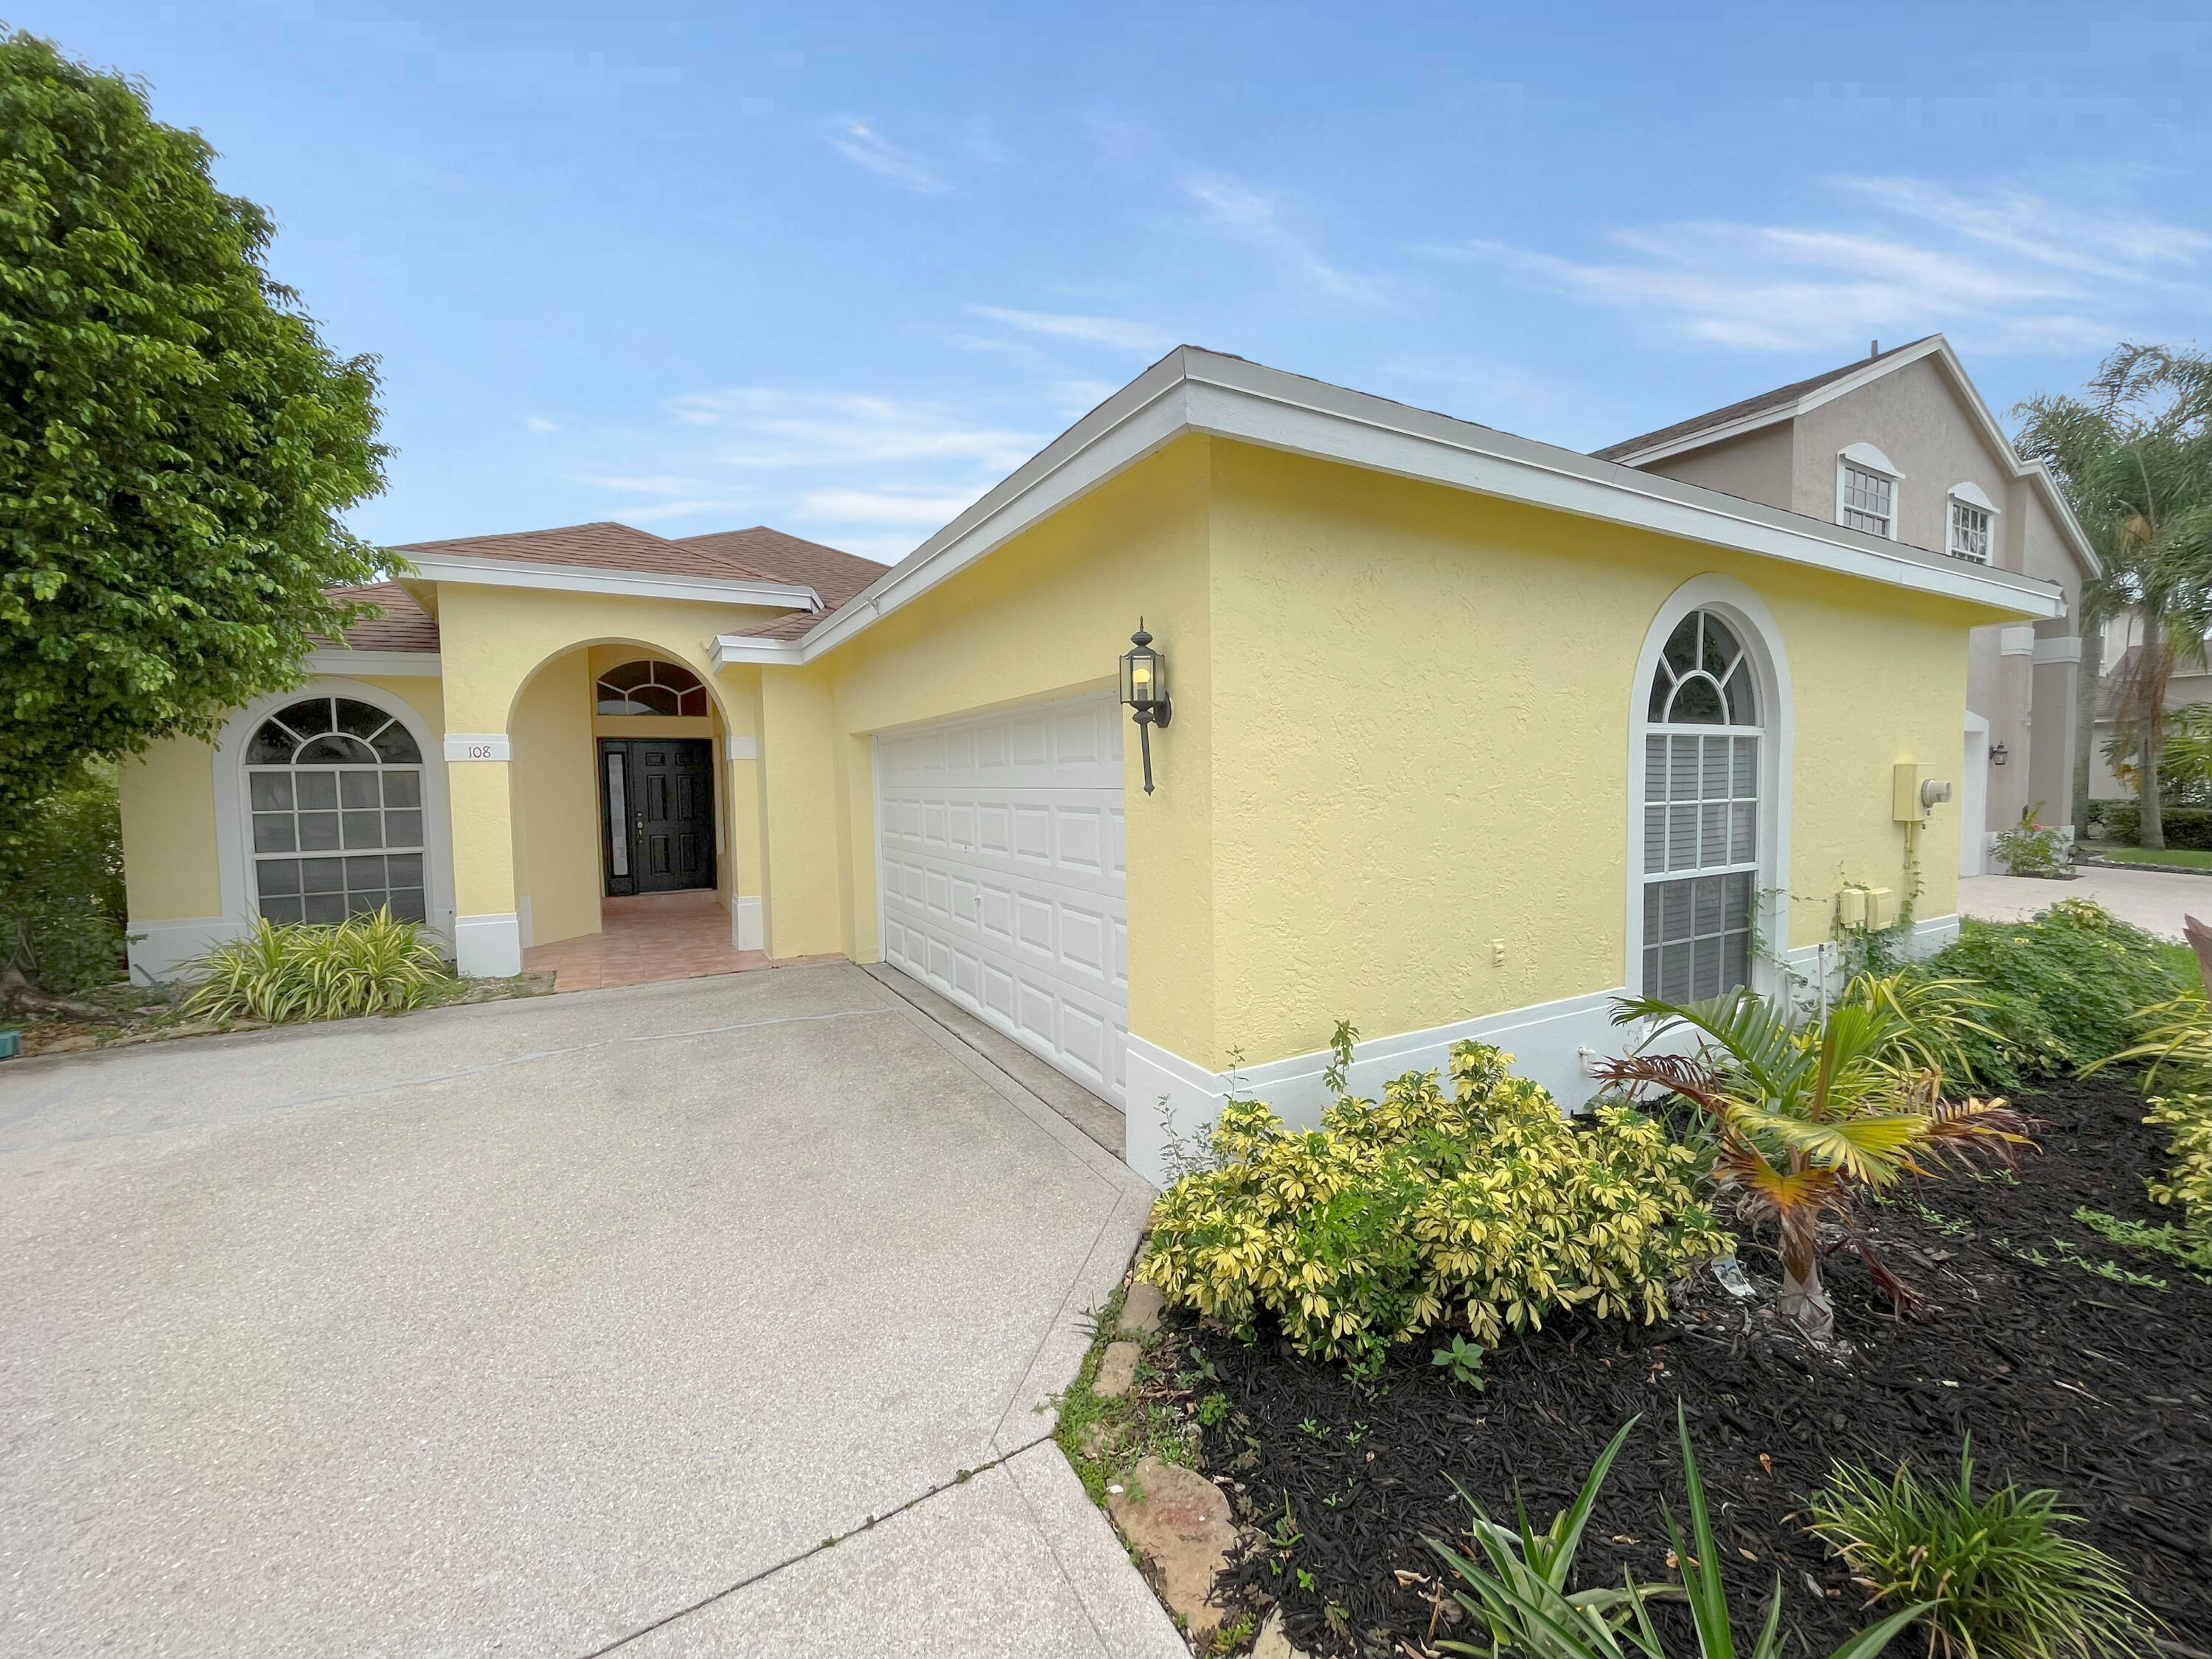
176, 441
2134, 457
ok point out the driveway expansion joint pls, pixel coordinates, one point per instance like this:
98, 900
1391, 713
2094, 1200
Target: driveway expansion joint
869, 1525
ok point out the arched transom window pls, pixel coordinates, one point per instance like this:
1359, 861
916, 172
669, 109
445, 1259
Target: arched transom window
651, 688
1701, 770
335, 789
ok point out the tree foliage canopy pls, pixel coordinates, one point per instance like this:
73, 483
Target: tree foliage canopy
2134, 457
176, 441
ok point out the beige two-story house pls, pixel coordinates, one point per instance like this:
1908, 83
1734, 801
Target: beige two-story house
1900, 446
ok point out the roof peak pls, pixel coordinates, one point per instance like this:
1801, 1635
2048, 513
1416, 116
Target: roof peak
1759, 403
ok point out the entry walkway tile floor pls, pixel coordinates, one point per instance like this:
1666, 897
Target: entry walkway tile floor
658, 936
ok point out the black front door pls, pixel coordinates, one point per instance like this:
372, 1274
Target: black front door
657, 813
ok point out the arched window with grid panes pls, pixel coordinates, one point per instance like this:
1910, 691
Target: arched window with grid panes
335, 786
1702, 765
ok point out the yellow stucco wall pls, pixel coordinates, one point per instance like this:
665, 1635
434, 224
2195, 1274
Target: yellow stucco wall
1046, 616
169, 861
495, 641
555, 801
1422, 718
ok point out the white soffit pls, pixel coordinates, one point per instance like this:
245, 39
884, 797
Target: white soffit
378, 664
628, 584
1203, 392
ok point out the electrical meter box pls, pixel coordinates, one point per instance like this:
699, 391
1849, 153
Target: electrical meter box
1909, 797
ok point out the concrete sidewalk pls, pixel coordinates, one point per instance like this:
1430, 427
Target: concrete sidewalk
555, 1326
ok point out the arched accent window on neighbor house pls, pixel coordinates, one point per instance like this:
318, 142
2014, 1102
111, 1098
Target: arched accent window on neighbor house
1702, 733
335, 788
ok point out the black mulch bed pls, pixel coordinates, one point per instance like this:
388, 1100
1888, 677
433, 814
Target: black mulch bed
2063, 1378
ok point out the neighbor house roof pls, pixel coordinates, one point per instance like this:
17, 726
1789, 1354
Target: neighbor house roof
1786, 402
1191, 390
405, 625
1730, 414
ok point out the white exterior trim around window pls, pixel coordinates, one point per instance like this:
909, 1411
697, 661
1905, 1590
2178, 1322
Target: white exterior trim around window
384, 664
232, 817
1735, 603
1865, 458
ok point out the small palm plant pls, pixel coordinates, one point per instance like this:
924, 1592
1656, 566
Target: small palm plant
1805, 1118
285, 971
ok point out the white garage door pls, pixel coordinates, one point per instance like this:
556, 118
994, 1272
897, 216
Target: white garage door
1003, 876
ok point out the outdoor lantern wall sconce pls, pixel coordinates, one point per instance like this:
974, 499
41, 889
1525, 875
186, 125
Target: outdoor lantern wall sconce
1144, 688
1999, 754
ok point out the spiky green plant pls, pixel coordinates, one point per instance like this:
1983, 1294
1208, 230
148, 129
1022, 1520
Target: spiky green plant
1518, 1592
286, 971
1807, 1118
1999, 1574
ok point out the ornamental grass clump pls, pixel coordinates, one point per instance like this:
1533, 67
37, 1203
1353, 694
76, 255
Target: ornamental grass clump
286, 971
2004, 1578
1484, 1209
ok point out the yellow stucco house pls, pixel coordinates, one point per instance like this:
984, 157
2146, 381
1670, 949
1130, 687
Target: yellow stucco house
1469, 733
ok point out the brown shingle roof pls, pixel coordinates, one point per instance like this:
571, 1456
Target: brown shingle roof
836, 576
405, 625
602, 546
1744, 410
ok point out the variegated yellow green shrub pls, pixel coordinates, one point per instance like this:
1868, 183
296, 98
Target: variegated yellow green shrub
1485, 1208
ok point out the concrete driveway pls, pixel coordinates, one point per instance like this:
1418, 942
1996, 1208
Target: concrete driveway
551, 1326
2153, 900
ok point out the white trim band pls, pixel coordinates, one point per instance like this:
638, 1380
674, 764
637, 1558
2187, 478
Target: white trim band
2068, 649
386, 664
1554, 1043
1190, 390
576, 579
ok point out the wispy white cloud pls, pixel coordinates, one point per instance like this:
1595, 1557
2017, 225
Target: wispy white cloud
540, 423
769, 427
2008, 269
1118, 333
653, 498
1257, 221
860, 144
1498, 394
883, 507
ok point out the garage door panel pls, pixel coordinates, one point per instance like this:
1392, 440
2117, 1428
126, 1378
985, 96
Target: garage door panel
1004, 876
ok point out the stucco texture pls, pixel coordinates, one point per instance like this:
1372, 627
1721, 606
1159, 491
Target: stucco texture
1422, 725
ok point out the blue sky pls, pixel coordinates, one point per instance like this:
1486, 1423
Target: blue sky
838, 269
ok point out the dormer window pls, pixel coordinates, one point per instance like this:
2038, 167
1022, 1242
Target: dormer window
1866, 491
1973, 514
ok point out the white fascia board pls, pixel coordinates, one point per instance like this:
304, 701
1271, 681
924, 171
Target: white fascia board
1311, 418
378, 664
577, 578
726, 648
1193, 391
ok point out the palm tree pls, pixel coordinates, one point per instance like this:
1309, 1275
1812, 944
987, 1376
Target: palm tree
2134, 458
1805, 1117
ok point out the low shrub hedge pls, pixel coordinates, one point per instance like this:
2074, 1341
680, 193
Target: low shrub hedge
2062, 990
1487, 1209
286, 971
61, 889
2185, 826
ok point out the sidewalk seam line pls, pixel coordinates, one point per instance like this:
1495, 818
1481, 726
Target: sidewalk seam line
831, 1542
